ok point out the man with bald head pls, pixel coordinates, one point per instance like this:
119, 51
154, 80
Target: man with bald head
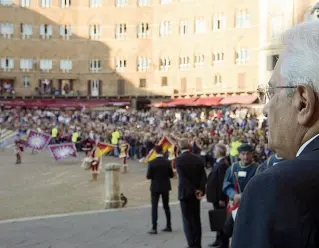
279, 207
191, 188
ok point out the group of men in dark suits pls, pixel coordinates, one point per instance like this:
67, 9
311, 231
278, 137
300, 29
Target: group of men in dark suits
225, 185
191, 189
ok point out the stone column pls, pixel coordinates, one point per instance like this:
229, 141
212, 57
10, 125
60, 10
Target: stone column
112, 185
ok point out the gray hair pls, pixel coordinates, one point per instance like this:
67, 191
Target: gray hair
301, 67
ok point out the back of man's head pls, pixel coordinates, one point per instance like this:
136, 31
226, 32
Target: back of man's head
184, 144
222, 150
159, 149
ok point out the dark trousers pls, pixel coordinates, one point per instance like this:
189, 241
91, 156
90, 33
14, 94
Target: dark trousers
191, 222
165, 200
216, 206
227, 231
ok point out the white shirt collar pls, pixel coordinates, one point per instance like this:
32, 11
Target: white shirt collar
183, 151
159, 155
305, 145
217, 160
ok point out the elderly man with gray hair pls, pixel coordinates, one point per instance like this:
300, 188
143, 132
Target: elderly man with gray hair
191, 188
279, 207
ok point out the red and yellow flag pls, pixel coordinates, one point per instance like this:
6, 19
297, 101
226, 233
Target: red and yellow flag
165, 143
103, 148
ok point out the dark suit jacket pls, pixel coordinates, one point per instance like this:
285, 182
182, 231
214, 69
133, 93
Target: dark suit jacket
160, 172
215, 182
279, 207
191, 174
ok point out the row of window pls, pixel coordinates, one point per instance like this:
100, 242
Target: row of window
95, 30
143, 63
94, 84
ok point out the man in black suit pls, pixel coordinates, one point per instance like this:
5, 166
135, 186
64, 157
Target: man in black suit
279, 207
215, 181
191, 188
160, 172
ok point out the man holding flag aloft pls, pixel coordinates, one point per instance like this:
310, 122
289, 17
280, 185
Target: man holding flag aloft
237, 177
94, 160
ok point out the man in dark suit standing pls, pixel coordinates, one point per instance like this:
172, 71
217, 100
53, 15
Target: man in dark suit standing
160, 172
215, 181
279, 207
191, 188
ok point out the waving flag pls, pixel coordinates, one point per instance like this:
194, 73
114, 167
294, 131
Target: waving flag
7, 137
62, 151
165, 143
37, 140
103, 148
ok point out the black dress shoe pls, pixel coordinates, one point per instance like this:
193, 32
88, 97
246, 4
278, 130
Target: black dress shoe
216, 243
152, 231
223, 245
167, 229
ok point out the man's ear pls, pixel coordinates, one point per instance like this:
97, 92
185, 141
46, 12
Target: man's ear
305, 104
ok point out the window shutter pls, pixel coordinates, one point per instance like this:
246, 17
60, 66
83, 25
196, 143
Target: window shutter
62, 30
11, 63
49, 29
60, 86
71, 84
29, 28
41, 29
100, 88
89, 88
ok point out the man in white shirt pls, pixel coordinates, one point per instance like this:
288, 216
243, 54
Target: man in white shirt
279, 207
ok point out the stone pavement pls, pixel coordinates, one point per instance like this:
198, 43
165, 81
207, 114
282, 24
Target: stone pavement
123, 228
42, 186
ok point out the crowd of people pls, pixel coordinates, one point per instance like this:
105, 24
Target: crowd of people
237, 136
142, 130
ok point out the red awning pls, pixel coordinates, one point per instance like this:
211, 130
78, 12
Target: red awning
64, 103
208, 101
159, 104
248, 99
181, 102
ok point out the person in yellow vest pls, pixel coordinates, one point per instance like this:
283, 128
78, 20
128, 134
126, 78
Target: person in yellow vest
115, 141
75, 138
235, 143
54, 134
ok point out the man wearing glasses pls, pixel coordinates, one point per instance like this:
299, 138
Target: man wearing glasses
279, 207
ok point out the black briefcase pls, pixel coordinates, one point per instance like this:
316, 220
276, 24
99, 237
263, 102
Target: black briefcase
217, 218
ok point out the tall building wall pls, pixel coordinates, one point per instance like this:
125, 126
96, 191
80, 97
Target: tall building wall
189, 47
